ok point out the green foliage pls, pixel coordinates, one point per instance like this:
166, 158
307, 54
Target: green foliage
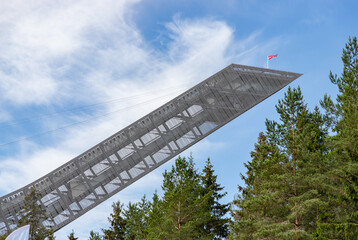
283, 197
33, 213
95, 236
189, 209
155, 216
118, 224
72, 236
50, 235
341, 221
217, 225
3, 237
136, 216
344, 112
302, 183
184, 207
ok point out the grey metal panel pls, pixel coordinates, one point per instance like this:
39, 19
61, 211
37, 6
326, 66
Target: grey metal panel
89, 179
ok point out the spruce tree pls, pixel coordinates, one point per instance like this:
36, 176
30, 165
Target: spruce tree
217, 224
282, 198
183, 208
34, 213
136, 217
155, 217
118, 224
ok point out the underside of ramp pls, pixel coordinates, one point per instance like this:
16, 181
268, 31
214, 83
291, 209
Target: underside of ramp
112, 165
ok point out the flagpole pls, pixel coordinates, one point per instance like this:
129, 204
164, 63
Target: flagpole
268, 59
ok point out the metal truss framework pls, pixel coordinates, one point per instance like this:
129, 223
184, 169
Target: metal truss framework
89, 179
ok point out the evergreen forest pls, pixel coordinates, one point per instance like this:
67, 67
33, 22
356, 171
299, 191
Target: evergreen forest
300, 183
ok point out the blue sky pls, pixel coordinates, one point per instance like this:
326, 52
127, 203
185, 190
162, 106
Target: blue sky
122, 59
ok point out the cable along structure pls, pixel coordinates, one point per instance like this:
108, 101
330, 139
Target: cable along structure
128, 155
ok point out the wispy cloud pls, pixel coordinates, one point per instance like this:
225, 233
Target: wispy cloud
61, 52
44, 40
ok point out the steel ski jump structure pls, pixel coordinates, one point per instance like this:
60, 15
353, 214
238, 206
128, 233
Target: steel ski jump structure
89, 179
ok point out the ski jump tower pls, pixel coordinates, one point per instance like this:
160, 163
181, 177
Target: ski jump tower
115, 163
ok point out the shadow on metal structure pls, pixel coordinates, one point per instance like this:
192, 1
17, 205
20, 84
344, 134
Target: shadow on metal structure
89, 179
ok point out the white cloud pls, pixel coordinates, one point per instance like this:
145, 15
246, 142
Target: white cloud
194, 40
90, 51
29, 167
42, 38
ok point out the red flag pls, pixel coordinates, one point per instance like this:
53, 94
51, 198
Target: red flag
270, 57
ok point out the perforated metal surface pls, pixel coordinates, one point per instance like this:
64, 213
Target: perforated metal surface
110, 166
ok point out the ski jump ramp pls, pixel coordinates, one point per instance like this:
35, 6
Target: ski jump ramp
128, 155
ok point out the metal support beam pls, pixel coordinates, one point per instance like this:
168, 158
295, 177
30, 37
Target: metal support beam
89, 179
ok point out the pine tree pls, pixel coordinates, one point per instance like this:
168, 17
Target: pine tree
118, 224
33, 213
183, 208
341, 221
282, 198
346, 108
217, 224
136, 217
